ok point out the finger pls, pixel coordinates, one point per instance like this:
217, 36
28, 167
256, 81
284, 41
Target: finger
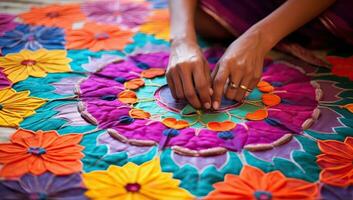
178, 85
214, 72
246, 80
188, 86
218, 86
202, 86
171, 84
235, 78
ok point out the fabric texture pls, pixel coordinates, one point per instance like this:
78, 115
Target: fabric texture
86, 112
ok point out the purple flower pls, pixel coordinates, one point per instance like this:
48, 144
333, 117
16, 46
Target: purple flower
6, 23
33, 38
45, 186
128, 14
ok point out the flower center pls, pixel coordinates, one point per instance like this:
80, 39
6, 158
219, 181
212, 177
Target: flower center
38, 196
36, 151
101, 36
52, 14
28, 62
132, 187
1, 106
262, 195
31, 38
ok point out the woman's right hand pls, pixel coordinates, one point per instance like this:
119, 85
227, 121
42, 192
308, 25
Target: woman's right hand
188, 74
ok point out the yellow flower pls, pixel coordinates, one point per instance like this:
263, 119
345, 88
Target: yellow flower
14, 106
19, 66
158, 25
134, 182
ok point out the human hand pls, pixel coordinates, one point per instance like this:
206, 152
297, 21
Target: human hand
188, 74
240, 66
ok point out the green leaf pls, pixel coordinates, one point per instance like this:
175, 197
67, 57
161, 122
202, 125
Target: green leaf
256, 162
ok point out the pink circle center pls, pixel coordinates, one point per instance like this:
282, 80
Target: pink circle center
28, 62
52, 14
101, 36
132, 187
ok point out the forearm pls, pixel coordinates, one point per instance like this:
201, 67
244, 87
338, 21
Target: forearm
287, 18
182, 14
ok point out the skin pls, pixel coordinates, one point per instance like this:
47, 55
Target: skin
188, 73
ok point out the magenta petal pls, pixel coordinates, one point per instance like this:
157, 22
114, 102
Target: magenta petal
141, 129
97, 86
155, 60
124, 69
6, 23
263, 133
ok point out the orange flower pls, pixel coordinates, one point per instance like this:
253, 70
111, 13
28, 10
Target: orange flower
336, 162
257, 115
139, 114
127, 97
174, 123
254, 184
271, 99
152, 72
158, 24
134, 83
221, 126
38, 152
54, 15
264, 86
98, 37
341, 66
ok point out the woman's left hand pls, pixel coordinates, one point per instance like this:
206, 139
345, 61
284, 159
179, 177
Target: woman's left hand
240, 67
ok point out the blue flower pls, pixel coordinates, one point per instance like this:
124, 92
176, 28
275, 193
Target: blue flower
32, 38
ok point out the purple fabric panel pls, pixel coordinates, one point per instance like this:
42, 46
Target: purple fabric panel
138, 129
125, 69
262, 133
96, 86
154, 60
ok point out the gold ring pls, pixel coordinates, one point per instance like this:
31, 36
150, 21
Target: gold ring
233, 86
245, 88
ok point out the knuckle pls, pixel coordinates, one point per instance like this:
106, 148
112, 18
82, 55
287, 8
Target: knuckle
218, 81
202, 86
189, 95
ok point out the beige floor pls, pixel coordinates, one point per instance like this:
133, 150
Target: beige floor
18, 6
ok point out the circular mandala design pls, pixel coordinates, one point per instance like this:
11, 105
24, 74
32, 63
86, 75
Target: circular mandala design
131, 100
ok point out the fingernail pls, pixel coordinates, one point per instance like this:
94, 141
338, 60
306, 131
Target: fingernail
211, 91
215, 105
207, 105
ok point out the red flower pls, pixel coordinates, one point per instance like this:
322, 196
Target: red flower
38, 152
341, 66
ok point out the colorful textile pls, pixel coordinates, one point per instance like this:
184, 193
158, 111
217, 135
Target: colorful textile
85, 113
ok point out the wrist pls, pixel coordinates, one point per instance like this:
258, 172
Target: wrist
264, 36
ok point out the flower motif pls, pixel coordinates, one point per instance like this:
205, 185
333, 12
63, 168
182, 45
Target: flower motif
253, 183
38, 152
341, 66
158, 24
14, 106
6, 23
146, 181
54, 15
38, 63
336, 162
98, 37
124, 13
32, 38
45, 186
